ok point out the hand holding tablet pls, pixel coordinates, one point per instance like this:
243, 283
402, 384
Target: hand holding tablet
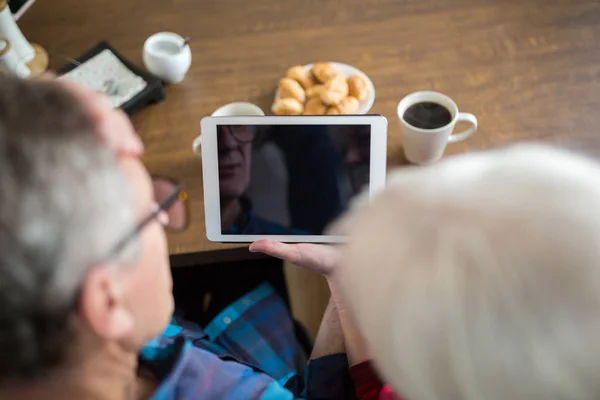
287, 178
320, 258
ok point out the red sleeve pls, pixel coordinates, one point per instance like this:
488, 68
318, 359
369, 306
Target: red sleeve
366, 381
367, 384
387, 393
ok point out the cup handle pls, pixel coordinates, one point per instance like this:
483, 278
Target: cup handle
464, 117
196, 145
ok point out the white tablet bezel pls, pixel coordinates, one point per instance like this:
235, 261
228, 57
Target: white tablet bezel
208, 128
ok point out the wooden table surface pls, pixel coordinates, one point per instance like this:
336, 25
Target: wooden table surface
528, 69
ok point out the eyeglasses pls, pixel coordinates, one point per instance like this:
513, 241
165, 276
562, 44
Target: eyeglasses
241, 133
177, 212
171, 198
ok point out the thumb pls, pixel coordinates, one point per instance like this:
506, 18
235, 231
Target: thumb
317, 257
274, 249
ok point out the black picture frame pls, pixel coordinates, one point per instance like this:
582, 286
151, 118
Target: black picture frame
152, 93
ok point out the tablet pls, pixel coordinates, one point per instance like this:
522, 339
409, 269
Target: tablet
287, 178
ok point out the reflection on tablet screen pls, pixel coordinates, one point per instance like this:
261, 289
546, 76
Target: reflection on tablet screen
289, 179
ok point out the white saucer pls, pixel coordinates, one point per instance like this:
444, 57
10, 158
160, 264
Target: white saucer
348, 70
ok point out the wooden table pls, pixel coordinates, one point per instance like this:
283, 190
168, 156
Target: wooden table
529, 69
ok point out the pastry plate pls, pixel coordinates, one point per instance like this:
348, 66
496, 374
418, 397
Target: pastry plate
348, 70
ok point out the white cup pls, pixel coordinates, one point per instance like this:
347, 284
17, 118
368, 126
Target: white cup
10, 62
166, 57
426, 146
239, 108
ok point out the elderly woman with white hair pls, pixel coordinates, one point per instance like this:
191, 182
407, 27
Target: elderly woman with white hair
477, 278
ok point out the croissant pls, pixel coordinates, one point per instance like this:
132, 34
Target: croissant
287, 106
314, 106
314, 91
333, 110
290, 88
302, 76
349, 105
324, 72
357, 86
335, 90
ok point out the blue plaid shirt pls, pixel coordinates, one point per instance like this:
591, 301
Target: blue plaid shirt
246, 352
248, 223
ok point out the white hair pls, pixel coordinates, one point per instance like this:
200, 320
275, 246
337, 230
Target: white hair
479, 277
64, 205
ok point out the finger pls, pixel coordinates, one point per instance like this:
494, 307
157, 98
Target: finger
275, 249
303, 254
324, 257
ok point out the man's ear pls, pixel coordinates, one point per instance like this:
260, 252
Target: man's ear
102, 304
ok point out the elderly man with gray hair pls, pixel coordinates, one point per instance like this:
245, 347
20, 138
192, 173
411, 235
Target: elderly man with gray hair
476, 278
86, 303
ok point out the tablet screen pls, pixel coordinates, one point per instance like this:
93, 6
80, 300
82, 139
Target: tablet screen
289, 179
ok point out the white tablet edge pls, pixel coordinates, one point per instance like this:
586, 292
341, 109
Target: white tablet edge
210, 168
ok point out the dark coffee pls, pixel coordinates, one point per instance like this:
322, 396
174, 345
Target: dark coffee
427, 115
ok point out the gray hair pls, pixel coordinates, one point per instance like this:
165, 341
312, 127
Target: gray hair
479, 278
63, 205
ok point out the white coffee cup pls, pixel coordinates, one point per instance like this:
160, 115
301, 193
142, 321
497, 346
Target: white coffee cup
426, 146
10, 63
239, 108
166, 56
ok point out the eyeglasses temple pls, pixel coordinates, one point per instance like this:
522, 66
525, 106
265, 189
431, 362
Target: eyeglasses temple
162, 206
